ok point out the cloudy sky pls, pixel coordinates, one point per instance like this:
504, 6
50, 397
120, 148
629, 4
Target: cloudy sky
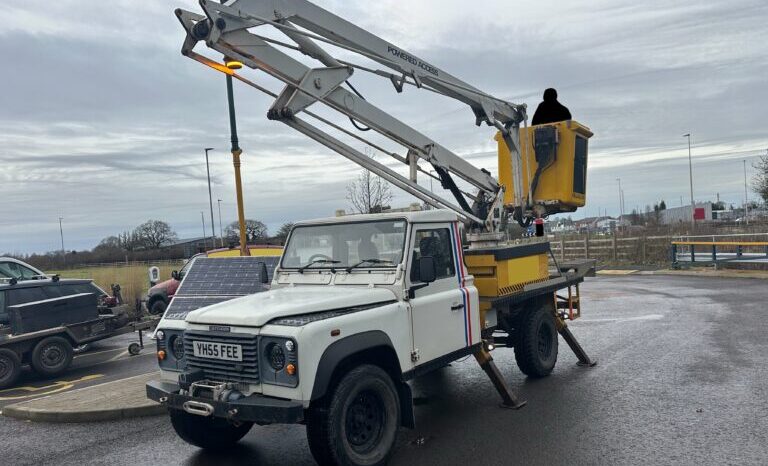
103, 122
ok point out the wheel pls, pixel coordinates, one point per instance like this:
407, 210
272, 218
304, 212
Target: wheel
158, 307
134, 349
358, 423
10, 367
536, 345
208, 433
51, 356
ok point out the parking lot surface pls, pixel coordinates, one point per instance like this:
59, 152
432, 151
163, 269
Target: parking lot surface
100, 362
681, 379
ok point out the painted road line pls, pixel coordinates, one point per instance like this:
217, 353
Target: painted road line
94, 353
129, 358
124, 353
55, 387
626, 319
616, 272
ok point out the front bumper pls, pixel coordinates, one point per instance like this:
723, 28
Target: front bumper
254, 408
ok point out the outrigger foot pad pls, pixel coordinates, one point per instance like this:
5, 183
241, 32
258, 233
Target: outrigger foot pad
519, 405
565, 332
509, 398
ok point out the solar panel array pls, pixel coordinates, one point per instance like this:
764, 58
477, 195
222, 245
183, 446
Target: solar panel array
214, 280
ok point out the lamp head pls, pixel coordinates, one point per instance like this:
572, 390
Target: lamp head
233, 64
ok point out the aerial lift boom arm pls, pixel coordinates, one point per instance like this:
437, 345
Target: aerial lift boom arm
231, 29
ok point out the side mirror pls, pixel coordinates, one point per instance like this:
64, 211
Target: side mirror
427, 269
264, 274
175, 275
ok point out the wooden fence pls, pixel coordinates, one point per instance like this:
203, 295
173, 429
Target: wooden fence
612, 249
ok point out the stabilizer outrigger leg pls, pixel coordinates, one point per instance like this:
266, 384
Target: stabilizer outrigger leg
509, 398
565, 332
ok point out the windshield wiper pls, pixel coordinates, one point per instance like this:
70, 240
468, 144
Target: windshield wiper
368, 261
319, 261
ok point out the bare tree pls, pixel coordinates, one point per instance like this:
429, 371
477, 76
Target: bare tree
760, 181
154, 233
368, 194
254, 231
129, 241
282, 233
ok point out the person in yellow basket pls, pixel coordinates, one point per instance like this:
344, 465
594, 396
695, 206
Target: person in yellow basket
550, 111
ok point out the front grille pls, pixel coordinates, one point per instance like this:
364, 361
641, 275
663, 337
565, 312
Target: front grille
245, 371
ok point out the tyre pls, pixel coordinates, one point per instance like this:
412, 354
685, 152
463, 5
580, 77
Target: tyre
158, 307
10, 367
536, 343
357, 425
208, 433
52, 356
134, 349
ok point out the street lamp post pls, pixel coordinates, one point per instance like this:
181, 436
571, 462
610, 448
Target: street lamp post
621, 199
61, 233
221, 232
236, 152
432, 175
690, 171
210, 196
205, 241
746, 195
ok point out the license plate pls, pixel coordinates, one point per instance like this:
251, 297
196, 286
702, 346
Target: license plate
222, 351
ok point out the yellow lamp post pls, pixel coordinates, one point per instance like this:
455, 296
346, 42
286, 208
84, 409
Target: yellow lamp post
236, 153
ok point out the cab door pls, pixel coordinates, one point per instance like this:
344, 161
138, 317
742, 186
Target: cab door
438, 311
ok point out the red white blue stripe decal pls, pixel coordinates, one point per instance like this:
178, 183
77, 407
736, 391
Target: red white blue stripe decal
459, 256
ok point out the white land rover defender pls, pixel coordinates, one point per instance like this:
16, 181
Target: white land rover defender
358, 306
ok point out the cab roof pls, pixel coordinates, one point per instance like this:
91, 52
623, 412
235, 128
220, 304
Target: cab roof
425, 216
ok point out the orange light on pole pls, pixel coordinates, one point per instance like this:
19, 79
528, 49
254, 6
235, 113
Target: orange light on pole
236, 152
233, 64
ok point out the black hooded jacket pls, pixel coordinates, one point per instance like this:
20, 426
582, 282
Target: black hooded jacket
550, 111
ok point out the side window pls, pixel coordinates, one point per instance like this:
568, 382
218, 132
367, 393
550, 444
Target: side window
5, 270
435, 243
14, 270
26, 273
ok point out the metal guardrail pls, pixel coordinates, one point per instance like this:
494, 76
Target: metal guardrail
693, 252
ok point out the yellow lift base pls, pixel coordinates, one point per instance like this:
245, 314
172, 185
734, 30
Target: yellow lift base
511, 275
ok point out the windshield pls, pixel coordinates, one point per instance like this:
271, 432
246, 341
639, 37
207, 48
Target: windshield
365, 245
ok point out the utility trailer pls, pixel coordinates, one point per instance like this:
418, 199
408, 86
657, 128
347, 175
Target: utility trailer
45, 333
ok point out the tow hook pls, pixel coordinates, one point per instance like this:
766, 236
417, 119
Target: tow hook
198, 409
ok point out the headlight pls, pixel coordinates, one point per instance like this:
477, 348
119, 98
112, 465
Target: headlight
290, 346
177, 346
276, 356
160, 335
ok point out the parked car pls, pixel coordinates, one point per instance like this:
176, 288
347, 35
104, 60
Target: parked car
160, 294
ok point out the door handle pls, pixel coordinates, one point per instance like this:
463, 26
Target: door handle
457, 307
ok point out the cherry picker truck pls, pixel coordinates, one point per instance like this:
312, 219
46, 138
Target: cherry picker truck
360, 305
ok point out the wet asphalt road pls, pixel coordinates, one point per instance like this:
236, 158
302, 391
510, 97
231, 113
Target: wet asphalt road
682, 379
